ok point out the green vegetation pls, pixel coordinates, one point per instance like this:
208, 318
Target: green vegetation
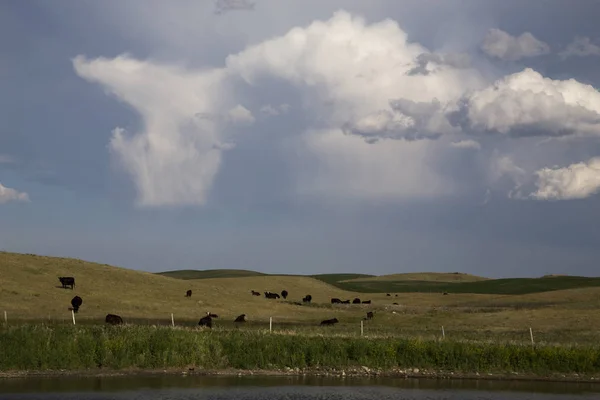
42, 347
511, 286
209, 273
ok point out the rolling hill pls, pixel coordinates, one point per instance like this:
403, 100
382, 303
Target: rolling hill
424, 282
210, 273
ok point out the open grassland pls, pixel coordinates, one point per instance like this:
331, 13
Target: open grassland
39, 347
30, 292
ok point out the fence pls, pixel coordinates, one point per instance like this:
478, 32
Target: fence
343, 329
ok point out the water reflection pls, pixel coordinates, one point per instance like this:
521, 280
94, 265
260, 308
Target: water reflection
177, 387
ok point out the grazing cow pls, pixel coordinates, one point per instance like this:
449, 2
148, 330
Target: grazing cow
255, 293
387, 294
270, 295
307, 298
113, 319
188, 293
76, 303
330, 321
206, 321
241, 318
369, 315
356, 301
67, 281
395, 304
335, 300
366, 302
284, 294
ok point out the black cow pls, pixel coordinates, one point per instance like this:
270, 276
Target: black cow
335, 300
395, 304
369, 315
284, 294
270, 295
255, 293
67, 281
76, 303
241, 318
113, 319
387, 294
445, 293
188, 293
356, 301
206, 321
366, 302
330, 321
307, 298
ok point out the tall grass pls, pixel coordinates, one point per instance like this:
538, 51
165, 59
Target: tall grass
42, 347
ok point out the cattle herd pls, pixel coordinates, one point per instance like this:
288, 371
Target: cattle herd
206, 321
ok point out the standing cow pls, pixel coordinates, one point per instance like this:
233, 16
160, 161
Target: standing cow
76, 303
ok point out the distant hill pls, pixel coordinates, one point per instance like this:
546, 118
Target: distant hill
210, 273
513, 286
418, 282
422, 276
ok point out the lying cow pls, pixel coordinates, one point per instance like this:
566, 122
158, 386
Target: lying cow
330, 321
241, 318
113, 319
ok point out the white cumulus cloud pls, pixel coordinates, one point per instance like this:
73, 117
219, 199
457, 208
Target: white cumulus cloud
528, 104
502, 45
8, 194
576, 181
369, 98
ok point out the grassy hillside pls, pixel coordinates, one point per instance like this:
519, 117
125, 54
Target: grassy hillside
209, 273
29, 290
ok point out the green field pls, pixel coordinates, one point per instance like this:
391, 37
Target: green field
39, 347
423, 282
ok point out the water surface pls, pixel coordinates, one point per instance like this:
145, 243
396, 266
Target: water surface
175, 387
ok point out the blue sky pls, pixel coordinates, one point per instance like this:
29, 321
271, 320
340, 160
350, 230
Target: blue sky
303, 137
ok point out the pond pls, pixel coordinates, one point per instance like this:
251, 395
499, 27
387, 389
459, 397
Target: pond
178, 387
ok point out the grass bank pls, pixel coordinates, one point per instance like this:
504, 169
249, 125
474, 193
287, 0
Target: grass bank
42, 347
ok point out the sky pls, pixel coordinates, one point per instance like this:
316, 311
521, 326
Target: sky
303, 137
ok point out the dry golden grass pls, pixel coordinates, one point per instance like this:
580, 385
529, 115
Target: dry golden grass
29, 289
423, 276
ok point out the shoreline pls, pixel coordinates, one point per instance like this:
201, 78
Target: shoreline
354, 372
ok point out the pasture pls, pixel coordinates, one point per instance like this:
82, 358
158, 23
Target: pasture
30, 292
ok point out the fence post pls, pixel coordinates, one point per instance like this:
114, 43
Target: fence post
73, 315
361, 328
270, 324
531, 334
443, 333
172, 320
